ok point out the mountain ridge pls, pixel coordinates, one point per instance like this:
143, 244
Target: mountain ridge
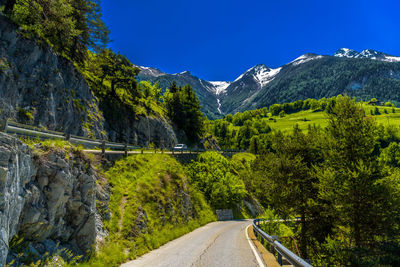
261, 85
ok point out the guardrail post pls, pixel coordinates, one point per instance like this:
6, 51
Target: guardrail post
162, 150
67, 136
280, 259
155, 150
126, 149
4, 127
172, 151
141, 150
103, 148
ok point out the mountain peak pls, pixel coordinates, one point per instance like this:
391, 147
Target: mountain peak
305, 58
150, 71
366, 53
186, 72
346, 52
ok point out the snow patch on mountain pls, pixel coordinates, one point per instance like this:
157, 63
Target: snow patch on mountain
346, 52
219, 87
366, 53
264, 75
261, 74
392, 59
150, 71
304, 58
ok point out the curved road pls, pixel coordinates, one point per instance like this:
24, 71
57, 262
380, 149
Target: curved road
215, 244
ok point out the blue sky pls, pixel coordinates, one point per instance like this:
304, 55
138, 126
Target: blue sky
219, 40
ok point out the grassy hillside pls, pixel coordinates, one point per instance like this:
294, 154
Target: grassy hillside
309, 117
151, 203
250, 130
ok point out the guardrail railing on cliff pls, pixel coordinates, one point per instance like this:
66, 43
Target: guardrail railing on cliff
19, 129
276, 246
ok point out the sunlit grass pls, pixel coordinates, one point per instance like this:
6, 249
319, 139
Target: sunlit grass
307, 118
147, 184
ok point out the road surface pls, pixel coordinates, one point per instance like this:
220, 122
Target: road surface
96, 151
216, 244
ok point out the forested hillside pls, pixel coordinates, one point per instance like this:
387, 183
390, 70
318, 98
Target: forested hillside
329, 76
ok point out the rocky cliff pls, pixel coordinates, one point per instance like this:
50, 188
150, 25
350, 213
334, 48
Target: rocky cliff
54, 199
41, 88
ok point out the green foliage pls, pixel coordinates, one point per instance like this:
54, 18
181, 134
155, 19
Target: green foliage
352, 184
25, 116
183, 107
4, 65
148, 200
305, 113
71, 27
213, 175
391, 155
112, 79
275, 226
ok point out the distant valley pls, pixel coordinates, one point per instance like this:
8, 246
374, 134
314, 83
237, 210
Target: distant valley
364, 75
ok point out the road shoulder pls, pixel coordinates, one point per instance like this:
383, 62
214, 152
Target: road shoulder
268, 258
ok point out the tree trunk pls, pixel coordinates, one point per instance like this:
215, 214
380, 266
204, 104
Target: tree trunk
303, 237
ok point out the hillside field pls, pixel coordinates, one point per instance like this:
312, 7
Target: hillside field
319, 118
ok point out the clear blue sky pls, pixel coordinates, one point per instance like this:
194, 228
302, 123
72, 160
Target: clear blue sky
220, 39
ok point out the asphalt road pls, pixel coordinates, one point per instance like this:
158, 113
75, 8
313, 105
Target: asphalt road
95, 151
216, 244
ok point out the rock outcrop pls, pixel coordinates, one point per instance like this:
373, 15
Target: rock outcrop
16, 171
54, 199
39, 87
154, 130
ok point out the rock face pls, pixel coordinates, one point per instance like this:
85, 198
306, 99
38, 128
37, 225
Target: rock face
154, 130
48, 199
16, 171
39, 87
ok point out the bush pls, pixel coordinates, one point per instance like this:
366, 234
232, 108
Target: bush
24, 116
212, 174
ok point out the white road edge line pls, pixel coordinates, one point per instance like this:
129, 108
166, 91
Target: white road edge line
253, 248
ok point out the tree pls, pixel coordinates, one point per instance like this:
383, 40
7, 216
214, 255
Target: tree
70, 26
290, 179
212, 175
119, 71
98, 30
183, 108
351, 181
254, 145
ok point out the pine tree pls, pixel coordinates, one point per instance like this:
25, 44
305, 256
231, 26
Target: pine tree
350, 178
183, 107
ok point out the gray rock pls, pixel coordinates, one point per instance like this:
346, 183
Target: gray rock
37, 80
14, 175
49, 199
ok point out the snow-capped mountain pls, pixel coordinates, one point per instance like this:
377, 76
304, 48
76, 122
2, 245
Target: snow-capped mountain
219, 87
305, 58
150, 71
308, 76
367, 53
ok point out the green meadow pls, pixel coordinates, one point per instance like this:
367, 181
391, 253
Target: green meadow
309, 118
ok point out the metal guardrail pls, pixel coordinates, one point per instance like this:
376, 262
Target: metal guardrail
277, 246
19, 129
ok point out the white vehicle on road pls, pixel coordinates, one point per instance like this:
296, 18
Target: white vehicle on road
180, 147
